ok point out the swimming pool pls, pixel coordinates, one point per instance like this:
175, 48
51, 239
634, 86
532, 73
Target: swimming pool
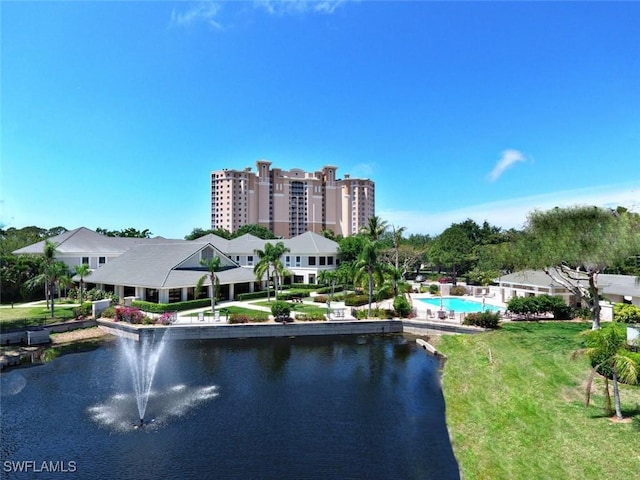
463, 305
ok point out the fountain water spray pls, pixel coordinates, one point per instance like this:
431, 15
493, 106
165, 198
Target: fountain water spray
142, 359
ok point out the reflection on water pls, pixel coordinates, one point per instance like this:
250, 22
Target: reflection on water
176, 401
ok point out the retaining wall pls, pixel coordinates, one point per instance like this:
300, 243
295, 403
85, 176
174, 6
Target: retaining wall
296, 329
254, 330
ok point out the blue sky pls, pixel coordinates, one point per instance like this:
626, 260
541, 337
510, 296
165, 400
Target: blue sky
113, 114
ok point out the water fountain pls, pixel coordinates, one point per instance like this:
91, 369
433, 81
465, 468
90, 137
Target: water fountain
142, 359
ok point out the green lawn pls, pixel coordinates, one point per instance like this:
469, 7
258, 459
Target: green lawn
298, 307
33, 315
515, 407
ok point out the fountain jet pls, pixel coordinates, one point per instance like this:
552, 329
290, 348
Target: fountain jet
142, 359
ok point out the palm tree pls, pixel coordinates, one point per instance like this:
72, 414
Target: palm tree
82, 271
607, 357
368, 264
397, 237
213, 265
264, 265
49, 256
375, 228
270, 259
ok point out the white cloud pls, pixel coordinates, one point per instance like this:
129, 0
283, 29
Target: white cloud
513, 213
362, 170
293, 7
508, 158
206, 12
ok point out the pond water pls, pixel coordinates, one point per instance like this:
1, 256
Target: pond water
333, 408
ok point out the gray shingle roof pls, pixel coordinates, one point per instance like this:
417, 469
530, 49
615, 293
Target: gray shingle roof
307, 243
83, 240
158, 266
608, 283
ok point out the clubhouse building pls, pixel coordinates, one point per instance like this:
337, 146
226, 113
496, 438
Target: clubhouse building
164, 270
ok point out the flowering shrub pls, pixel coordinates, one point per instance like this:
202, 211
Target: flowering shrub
92, 295
129, 314
256, 317
166, 318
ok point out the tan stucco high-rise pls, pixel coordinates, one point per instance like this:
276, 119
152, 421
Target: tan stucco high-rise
292, 202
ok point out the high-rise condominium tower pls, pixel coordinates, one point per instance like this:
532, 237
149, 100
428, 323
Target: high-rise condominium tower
292, 202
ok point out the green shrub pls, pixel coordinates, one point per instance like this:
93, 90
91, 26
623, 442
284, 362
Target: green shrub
337, 288
281, 310
401, 306
254, 295
244, 317
434, 289
305, 286
483, 319
539, 305
584, 313
458, 290
626, 313
83, 310
354, 300
152, 307
109, 312
310, 317
293, 293
239, 318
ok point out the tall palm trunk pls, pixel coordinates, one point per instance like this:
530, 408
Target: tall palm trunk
595, 302
370, 273
616, 395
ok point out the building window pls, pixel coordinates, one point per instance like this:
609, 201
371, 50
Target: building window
297, 261
287, 261
312, 260
85, 260
102, 261
323, 260
250, 260
329, 260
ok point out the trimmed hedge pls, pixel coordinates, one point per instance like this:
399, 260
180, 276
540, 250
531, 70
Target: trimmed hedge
288, 295
356, 300
304, 286
310, 317
170, 307
236, 318
337, 288
254, 295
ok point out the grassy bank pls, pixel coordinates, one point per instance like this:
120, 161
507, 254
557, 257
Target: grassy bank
38, 315
515, 407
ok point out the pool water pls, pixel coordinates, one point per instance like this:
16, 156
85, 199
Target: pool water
462, 305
